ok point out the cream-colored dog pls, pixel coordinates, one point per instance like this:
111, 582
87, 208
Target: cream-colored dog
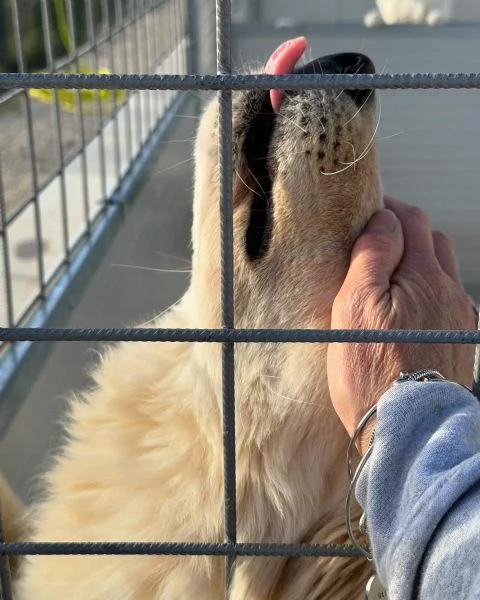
144, 461
416, 12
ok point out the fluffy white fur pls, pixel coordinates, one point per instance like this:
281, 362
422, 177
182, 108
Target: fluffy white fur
143, 456
400, 12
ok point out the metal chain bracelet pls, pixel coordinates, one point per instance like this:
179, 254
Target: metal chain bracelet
354, 478
419, 375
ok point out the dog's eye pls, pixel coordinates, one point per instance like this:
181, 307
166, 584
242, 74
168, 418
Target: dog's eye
256, 148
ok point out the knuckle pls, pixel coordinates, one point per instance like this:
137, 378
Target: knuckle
418, 215
442, 238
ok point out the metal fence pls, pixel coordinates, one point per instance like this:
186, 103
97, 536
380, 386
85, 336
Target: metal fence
69, 157
64, 153
228, 335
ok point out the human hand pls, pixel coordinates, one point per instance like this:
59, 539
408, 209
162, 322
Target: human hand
402, 275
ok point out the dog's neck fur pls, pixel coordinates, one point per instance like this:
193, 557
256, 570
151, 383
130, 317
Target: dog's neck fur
280, 414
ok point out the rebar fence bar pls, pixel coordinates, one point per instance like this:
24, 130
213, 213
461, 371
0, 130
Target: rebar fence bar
228, 335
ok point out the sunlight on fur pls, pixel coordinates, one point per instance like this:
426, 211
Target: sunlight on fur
143, 458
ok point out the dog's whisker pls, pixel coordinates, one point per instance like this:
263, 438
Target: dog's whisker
160, 314
365, 152
189, 140
258, 183
178, 164
360, 108
389, 137
246, 184
288, 398
180, 116
290, 120
175, 257
155, 269
353, 152
374, 134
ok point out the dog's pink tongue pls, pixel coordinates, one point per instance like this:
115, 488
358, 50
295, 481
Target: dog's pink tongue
282, 62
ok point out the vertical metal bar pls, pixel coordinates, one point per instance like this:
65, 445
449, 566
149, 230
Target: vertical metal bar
156, 59
93, 41
224, 66
171, 33
121, 16
111, 60
5, 576
192, 32
58, 125
146, 60
176, 34
152, 58
137, 69
81, 122
172, 55
31, 139
183, 42
6, 256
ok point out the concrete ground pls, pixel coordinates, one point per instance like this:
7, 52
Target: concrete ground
142, 271
430, 144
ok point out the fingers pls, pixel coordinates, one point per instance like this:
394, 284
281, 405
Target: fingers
446, 256
417, 233
423, 243
376, 254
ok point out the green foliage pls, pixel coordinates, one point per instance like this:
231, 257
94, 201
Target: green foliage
31, 26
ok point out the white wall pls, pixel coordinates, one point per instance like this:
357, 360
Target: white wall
332, 11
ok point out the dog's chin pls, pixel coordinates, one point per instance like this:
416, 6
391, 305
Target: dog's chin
305, 183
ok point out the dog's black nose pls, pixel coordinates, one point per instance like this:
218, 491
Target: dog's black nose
346, 63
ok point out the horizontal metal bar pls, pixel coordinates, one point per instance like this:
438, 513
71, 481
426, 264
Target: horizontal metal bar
176, 548
258, 336
239, 82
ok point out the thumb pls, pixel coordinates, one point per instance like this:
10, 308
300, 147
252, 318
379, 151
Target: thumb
377, 252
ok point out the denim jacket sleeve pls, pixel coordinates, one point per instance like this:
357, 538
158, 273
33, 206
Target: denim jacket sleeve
420, 490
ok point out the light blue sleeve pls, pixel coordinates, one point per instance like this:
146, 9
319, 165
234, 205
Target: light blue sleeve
421, 492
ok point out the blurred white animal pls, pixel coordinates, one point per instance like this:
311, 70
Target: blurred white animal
416, 12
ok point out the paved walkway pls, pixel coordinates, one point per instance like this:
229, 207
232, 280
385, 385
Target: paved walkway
143, 271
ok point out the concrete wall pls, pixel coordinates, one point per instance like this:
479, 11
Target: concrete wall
329, 11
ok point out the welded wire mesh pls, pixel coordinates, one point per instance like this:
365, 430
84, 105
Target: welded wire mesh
224, 81
63, 152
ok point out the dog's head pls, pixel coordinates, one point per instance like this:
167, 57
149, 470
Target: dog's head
305, 183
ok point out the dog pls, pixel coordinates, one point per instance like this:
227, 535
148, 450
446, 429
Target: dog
143, 455
416, 12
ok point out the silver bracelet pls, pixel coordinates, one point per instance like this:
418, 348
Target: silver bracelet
420, 375
354, 478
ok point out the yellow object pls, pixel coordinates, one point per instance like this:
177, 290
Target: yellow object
69, 99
